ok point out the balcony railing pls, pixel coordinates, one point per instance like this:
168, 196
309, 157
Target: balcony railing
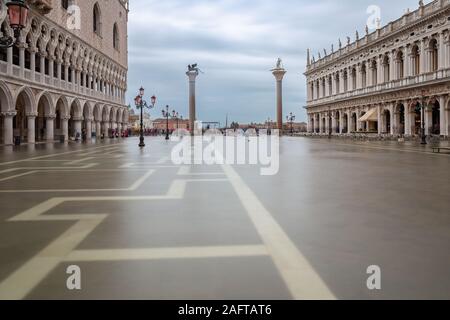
57, 83
379, 88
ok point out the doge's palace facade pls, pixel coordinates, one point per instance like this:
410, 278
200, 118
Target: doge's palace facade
68, 73
380, 82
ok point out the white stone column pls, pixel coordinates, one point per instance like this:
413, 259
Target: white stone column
98, 129
8, 131
380, 120
58, 69
42, 61
65, 127
31, 131
428, 120
77, 126
21, 47
441, 58
279, 75
333, 123
9, 58
88, 129
407, 118
49, 121
33, 63
423, 57
442, 101
192, 75
447, 120
51, 68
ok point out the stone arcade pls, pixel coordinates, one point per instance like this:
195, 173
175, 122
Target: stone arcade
379, 83
59, 80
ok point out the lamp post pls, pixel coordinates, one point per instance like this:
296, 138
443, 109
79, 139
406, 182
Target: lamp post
290, 119
167, 115
18, 15
141, 104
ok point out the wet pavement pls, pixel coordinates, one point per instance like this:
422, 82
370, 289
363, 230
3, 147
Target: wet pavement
141, 227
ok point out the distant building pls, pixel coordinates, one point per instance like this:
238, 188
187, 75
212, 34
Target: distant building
61, 79
161, 124
380, 82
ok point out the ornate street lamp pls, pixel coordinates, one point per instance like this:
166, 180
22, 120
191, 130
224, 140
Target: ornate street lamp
174, 115
18, 15
141, 104
291, 118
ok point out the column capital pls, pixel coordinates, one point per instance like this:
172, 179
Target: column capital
32, 115
8, 114
50, 116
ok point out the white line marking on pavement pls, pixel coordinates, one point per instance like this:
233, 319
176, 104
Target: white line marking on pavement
79, 161
50, 156
87, 166
166, 253
141, 180
17, 176
186, 171
22, 281
298, 274
133, 187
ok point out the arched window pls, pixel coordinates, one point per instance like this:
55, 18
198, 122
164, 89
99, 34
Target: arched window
97, 24
116, 37
65, 4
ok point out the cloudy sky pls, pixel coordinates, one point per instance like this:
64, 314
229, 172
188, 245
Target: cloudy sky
236, 43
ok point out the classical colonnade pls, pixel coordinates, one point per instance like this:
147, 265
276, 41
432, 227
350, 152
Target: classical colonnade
408, 60
45, 116
392, 118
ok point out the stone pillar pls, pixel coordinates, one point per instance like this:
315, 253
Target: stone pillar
77, 126
279, 75
51, 66
50, 134
66, 72
21, 47
428, 120
447, 120
98, 129
380, 120
442, 100
423, 57
333, 123
58, 69
33, 63
65, 127
8, 131
394, 118
42, 55
88, 128
31, 131
192, 75
9, 58
407, 117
